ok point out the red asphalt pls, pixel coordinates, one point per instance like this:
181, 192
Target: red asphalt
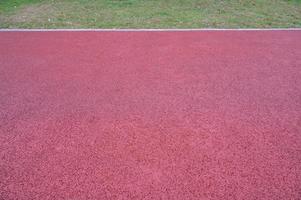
150, 115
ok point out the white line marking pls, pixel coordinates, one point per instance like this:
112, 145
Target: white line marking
145, 30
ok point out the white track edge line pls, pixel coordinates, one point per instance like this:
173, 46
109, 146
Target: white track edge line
145, 30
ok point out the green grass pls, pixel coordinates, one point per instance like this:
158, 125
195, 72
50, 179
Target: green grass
150, 13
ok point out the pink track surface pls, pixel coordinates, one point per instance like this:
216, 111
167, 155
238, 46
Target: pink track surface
150, 115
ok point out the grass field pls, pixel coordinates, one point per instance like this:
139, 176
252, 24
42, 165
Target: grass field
150, 13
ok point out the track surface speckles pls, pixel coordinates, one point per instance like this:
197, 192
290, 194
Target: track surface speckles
150, 115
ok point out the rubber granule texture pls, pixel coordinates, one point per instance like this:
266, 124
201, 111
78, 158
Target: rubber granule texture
150, 115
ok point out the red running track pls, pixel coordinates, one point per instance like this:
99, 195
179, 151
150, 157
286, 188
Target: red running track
150, 115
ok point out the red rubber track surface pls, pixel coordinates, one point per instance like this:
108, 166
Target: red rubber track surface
150, 115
